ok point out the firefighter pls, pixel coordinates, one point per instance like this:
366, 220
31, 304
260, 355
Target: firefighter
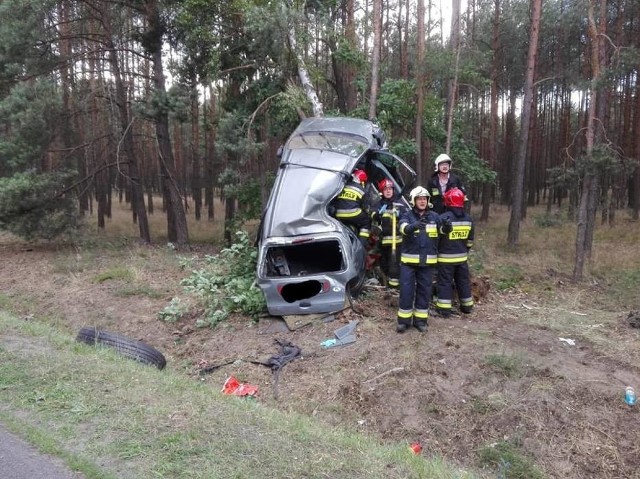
453, 254
421, 229
349, 206
442, 181
386, 214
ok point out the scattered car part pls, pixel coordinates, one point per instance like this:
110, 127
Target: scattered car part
127, 347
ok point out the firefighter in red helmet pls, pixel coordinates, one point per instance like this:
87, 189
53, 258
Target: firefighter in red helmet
453, 255
385, 216
349, 206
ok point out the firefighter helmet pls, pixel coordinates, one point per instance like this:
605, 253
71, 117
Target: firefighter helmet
443, 158
385, 183
417, 192
360, 176
454, 198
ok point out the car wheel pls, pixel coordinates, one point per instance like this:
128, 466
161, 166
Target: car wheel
356, 285
127, 347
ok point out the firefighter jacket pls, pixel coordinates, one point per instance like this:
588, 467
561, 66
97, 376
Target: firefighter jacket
453, 248
437, 194
420, 238
350, 209
383, 214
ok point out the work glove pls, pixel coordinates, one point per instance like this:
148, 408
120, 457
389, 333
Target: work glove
446, 227
424, 219
411, 228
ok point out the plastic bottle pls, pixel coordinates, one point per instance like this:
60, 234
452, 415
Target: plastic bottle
630, 396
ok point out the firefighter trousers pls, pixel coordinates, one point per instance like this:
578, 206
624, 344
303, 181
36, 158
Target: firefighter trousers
415, 294
390, 264
450, 275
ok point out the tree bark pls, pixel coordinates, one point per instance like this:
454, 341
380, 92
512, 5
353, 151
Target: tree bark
177, 231
376, 19
487, 188
586, 210
126, 142
518, 184
420, 90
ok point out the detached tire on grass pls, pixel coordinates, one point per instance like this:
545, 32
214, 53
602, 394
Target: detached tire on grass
127, 347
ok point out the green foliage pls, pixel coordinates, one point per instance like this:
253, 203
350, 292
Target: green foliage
506, 457
508, 277
30, 112
33, 205
173, 311
346, 53
396, 106
227, 283
405, 148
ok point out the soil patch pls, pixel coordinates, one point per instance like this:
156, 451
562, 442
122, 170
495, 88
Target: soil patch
471, 382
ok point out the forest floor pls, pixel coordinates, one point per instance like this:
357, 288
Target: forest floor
527, 382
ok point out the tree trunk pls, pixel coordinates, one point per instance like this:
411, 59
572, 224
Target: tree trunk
303, 74
586, 211
518, 184
376, 19
196, 180
453, 83
177, 231
635, 198
493, 125
126, 142
420, 90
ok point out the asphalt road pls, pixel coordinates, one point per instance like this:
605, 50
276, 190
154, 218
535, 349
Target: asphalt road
20, 460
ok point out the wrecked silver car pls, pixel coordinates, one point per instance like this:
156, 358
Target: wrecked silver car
308, 261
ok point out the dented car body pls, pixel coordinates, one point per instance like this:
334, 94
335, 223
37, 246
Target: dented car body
309, 262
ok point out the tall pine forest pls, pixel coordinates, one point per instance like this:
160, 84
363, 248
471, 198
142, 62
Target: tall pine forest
188, 101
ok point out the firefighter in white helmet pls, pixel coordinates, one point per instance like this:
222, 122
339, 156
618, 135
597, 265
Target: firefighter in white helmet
442, 181
421, 230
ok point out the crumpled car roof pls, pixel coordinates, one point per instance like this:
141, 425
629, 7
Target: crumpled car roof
316, 160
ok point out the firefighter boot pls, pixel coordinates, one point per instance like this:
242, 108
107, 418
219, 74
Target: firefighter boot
402, 327
421, 326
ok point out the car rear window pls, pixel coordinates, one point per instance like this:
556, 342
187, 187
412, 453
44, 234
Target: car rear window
344, 143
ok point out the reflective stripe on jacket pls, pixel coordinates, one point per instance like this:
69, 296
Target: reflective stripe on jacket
419, 248
454, 247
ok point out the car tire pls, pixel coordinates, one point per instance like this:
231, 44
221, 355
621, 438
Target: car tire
127, 347
356, 285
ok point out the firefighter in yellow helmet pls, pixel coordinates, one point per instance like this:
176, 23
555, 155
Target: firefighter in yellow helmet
421, 230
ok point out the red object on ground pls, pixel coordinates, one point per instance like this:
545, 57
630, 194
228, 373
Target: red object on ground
416, 447
233, 386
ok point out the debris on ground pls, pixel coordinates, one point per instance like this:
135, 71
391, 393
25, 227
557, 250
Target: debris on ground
234, 387
344, 335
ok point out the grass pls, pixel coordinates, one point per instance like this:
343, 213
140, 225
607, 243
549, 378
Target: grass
510, 365
511, 463
109, 417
